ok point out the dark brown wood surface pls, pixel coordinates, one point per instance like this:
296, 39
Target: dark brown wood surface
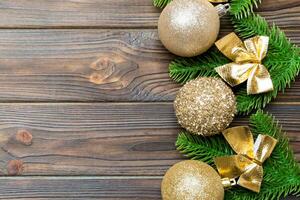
88, 81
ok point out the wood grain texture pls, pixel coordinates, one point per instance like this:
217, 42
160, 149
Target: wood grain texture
92, 51
114, 13
80, 188
103, 138
85, 188
89, 65
83, 65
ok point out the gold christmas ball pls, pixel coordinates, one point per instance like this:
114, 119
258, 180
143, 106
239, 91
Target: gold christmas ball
192, 180
205, 106
188, 27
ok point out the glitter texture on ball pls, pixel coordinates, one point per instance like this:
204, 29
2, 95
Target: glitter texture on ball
205, 106
188, 27
192, 180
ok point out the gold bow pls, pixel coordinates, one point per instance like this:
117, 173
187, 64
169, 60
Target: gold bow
247, 165
247, 59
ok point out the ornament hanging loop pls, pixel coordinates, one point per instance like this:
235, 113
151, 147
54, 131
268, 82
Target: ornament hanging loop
228, 182
223, 9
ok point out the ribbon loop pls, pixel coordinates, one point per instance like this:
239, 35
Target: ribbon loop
263, 147
259, 80
247, 57
240, 139
247, 164
252, 178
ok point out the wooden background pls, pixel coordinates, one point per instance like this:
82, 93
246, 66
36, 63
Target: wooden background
88, 79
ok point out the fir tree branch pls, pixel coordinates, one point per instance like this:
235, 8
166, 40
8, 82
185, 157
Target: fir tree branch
282, 60
243, 8
161, 3
282, 155
281, 171
239, 8
269, 193
256, 25
202, 148
182, 70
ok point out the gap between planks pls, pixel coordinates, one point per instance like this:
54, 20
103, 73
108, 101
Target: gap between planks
90, 28
79, 177
114, 103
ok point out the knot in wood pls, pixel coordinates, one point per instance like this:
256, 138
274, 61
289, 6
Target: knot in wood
24, 137
103, 63
15, 167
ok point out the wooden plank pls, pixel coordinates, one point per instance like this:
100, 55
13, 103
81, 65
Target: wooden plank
113, 188
70, 13
83, 65
102, 138
283, 13
89, 65
110, 139
80, 188
113, 13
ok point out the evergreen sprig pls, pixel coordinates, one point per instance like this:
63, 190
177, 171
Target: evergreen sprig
281, 171
202, 148
161, 3
184, 69
239, 8
282, 61
243, 8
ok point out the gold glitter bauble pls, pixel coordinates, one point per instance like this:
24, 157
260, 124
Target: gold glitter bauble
192, 180
188, 27
205, 106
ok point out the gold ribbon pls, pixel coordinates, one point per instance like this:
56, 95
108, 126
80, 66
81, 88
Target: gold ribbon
247, 57
247, 165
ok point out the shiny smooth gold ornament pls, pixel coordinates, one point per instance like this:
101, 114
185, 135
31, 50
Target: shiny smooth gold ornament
247, 165
188, 27
247, 65
192, 180
205, 106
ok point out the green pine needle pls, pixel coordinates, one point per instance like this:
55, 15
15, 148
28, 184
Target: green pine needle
281, 171
184, 69
243, 8
283, 62
161, 3
202, 148
239, 9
